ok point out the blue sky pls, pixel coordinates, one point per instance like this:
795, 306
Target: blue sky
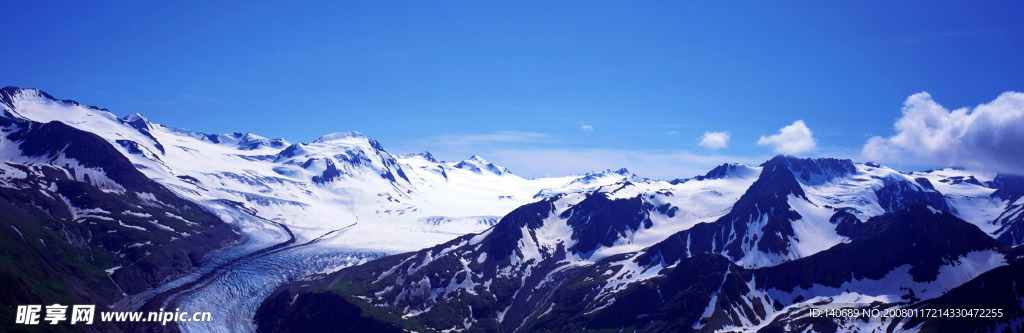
541, 87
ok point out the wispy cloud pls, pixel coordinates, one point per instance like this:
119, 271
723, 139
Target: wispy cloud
652, 164
587, 128
198, 98
153, 102
498, 137
535, 154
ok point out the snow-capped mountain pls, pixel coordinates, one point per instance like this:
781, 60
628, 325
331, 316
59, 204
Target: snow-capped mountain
741, 248
83, 225
333, 221
314, 188
336, 201
478, 164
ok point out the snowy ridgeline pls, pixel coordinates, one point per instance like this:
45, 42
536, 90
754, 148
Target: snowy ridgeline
765, 242
398, 203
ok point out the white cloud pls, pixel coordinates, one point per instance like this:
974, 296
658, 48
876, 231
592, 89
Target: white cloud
587, 128
673, 132
989, 136
715, 140
794, 139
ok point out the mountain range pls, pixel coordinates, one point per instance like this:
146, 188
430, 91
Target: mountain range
740, 249
340, 234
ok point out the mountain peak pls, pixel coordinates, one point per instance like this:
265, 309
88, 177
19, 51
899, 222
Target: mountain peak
252, 137
813, 171
138, 122
339, 136
426, 156
14, 91
9, 93
620, 172
250, 141
729, 169
478, 164
135, 117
